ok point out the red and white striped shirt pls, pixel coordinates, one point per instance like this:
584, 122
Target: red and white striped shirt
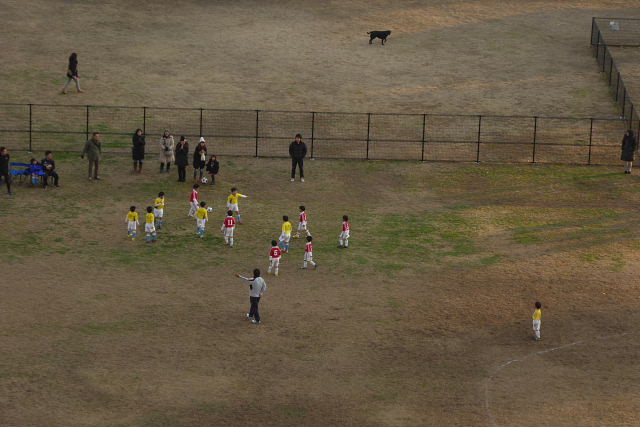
346, 226
308, 247
194, 196
275, 252
303, 216
229, 222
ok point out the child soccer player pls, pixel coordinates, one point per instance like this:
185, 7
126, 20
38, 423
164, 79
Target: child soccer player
201, 219
274, 257
158, 210
228, 225
344, 236
132, 222
149, 225
302, 225
193, 200
537, 317
232, 202
308, 254
285, 236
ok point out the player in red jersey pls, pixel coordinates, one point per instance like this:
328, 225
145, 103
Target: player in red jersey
308, 254
228, 225
274, 257
302, 225
194, 204
344, 236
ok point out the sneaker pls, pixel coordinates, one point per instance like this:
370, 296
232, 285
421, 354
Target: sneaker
276, 274
97, 178
257, 322
240, 223
340, 246
293, 179
315, 266
249, 316
301, 179
303, 268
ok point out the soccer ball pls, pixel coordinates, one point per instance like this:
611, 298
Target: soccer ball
209, 209
204, 180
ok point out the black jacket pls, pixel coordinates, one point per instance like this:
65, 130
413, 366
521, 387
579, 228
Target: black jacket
73, 68
138, 147
4, 164
628, 148
298, 151
197, 163
46, 162
182, 154
213, 166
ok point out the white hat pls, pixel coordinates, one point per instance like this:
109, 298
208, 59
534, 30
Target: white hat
202, 139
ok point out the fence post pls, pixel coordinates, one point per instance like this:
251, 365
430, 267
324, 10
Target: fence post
201, 123
605, 50
593, 25
535, 135
257, 129
424, 129
610, 68
631, 117
144, 120
313, 129
598, 46
86, 133
478, 144
368, 132
30, 126
617, 85
590, 140
624, 101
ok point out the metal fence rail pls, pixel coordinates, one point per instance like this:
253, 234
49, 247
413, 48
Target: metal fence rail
258, 133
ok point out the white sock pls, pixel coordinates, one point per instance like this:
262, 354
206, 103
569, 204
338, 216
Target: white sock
313, 263
346, 243
305, 264
276, 271
340, 241
230, 241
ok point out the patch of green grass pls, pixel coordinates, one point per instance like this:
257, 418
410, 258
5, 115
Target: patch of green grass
491, 259
394, 303
292, 411
617, 263
106, 328
590, 257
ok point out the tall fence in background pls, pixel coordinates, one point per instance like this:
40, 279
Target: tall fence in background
616, 32
258, 133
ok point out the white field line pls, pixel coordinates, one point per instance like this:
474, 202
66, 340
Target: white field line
497, 369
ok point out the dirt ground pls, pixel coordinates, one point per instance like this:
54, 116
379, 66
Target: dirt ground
412, 325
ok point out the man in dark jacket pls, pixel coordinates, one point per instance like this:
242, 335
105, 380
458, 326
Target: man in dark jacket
4, 168
297, 151
49, 166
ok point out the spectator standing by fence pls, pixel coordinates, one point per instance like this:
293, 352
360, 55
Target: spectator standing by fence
167, 145
137, 150
199, 158
629, 145
93, 151
297, 151
4, 168
182, 158
49, 168
72, 73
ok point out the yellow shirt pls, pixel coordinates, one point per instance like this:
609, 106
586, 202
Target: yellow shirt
286, 227
202, 213
537, 314
233, 198
132, 216
159, 203
150, 218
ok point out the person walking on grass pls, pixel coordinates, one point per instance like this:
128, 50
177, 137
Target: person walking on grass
137, 150
182, 158
4, 168
199, 159
72, 73
629, 145
167, 145
93, 151
297, 152
257, 286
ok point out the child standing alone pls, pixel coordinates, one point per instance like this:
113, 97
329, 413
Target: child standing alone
537, 318
308, 254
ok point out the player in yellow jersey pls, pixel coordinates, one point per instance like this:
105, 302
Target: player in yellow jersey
132, 222
232, 203
158, 210
150, 225
537, 318
202, 215
285, 236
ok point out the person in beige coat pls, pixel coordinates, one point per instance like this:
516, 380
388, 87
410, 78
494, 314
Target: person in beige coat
167, 145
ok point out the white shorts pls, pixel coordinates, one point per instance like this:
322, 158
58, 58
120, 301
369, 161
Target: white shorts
131, 225
308, 256
344, 235
228, 231
201, 223
233, 207
149, 227
285, 237
158, 213
275, 262
302, 226
536, 325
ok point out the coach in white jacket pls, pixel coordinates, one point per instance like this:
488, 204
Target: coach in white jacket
257, 288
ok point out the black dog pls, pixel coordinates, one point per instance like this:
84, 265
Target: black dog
382, 35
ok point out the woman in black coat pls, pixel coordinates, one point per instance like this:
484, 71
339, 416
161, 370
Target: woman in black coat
137, 150
629, 145
72, 73
199, 158
182, 158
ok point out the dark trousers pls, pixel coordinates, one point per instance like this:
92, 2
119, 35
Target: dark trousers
182, 173
93, 168
52, 174
253, 311
297, 162
7, 180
